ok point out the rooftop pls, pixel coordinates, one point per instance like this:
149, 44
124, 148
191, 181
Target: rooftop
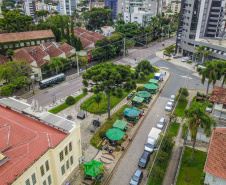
217, 42
28, 140
218, 95
8, 37
216, 159
3, 59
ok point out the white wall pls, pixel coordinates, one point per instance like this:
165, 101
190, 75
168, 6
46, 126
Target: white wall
210, 180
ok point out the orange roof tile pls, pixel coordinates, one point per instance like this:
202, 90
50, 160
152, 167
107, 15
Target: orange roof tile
23, 55
53, 51
37, 53
216, 159
66, 48
27, 141
42, 61
3, 59
218, 95
7, 37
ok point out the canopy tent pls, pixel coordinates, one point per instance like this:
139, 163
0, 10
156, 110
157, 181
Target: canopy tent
144, 94
93, 168
138, 99
158, 76
120, 124
151, 86
132, 111
153, 81
115, 134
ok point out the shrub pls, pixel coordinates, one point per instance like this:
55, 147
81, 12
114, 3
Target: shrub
85, 90
181, 98
119, 92
198, 94
140, 88
70, 100
202, 178
102, 134
184, 91
117, 149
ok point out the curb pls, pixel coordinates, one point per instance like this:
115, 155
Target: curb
134, 135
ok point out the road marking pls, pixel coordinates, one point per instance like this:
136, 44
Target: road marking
187, 77
164, 67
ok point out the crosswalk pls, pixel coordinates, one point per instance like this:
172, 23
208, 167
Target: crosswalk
153, 60
129, 60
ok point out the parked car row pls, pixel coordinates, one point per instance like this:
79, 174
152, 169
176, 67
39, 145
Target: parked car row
170, 104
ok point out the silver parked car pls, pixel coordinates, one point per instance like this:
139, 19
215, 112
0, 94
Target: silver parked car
161, 123
185, 59
172, 98
169, 106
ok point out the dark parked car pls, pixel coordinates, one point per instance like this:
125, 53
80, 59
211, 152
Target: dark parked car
144, 159
136, 178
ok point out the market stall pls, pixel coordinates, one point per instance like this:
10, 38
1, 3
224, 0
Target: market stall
132, 114
120, 124
153, 81
137, 101
152, 88
146, 95
93, 170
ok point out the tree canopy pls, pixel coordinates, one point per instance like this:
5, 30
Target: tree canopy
130, 30
107, 76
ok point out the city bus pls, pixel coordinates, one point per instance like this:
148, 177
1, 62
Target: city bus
49, 82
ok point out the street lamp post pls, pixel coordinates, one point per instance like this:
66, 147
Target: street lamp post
77, 62
32, 83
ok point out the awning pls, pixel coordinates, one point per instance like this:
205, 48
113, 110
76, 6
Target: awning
120, 124
153, 81
115, 134
132, 111
93, 168
138, 99
151, 86
144, 94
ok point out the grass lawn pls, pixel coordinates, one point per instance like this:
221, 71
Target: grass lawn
174, 127
191, 169
107, 125
179, 111
64, 105
92, 106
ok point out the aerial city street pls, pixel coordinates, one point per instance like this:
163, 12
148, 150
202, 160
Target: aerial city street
113, 92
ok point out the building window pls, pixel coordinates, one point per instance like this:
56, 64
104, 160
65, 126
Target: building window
27, 182
61, 155
62, 170
66, 151
44, 182
42, 170
38, 42
32, 42
67, 164
5, 46
17, 45
28, 43
33, 178
70, 146
49, 180
47, 165
11, 45
71, 160
42, 41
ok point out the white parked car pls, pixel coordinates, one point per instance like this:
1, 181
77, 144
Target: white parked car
185, 59
169, 106
161, 123
172, 98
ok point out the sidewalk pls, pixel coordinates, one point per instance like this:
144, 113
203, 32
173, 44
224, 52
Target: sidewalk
177, 149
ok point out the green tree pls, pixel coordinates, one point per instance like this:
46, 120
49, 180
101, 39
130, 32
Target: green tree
79, 45
211, 74
55, 12
195, 117
10, 53
62, 28
98, 97
145, 66
130, 30
200, 51
104, 76
68, 35
221, 70
207, 53
55, 64
83, 61
42, 14
56, 33
119, 19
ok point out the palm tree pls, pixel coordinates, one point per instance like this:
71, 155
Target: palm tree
200, 51
196, 116
207, 53
221, 70
56, 63
211, 74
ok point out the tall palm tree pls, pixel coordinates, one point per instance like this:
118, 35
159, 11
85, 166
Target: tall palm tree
196, 116
211, 74
200, 51
56, 63
207, 53
221, 70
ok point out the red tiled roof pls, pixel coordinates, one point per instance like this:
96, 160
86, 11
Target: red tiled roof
218, 95
37, 53
68, 54
42, 61
53, 51
23, 55
85, 42
105, 27
216, 159
8, 37
3, 59
28, 141
66, 48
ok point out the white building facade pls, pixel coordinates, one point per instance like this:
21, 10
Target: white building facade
29, 8
67, 7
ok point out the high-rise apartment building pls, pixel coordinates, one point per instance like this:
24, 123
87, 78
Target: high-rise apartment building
29, 8
200, 24
175, 6
67, 7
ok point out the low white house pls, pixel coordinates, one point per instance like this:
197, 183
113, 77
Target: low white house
107, 30
215, 163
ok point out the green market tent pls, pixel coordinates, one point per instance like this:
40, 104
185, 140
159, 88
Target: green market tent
115, 134
153, 81
144, 94
138, 99
120, 124
132, 111
93, 168
151, 86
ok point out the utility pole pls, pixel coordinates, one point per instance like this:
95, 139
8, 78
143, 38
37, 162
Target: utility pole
77, 62
146, 40
169, 30
162, 33
124, 52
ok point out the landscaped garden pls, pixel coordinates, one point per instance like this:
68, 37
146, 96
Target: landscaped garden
174, 127
91, 104
97, 138
179, 111
191, 169
66, 105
